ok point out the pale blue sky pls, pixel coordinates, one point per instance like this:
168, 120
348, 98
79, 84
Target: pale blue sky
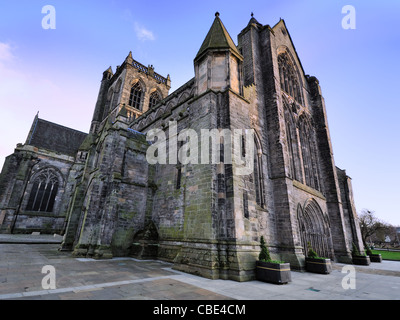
58, 72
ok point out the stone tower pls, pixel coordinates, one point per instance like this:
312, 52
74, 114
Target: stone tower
112, 194
218, 63
203, 216
134, 86
209, 219
302, 175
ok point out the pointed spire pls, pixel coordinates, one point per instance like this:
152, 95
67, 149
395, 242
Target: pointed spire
217, 38
109, 70
168, 81
108, 73
129, 58
253, 21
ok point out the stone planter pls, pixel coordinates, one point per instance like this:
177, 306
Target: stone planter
361, 260
375, 257
318, 265
278, 273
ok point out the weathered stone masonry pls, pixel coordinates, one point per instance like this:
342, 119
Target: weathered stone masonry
100, 192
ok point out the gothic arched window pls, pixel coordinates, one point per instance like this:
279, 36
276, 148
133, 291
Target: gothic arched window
288, 77
309, 154
257, 174
43, 192
154, 99
295, 171
135, 99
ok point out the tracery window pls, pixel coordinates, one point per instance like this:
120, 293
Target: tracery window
309, 154
154, 99
288, 77
291, 143
295, 171
43, 192
135, 99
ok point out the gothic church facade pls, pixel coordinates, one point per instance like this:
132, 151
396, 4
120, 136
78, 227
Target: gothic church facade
101, 193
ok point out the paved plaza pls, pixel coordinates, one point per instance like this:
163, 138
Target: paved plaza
22, 259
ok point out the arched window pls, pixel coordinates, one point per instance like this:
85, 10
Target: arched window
154, 99
43, 192
309, 153
135, 99
295, 171
257, 174
288, 77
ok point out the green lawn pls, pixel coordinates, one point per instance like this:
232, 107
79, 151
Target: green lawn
388, 255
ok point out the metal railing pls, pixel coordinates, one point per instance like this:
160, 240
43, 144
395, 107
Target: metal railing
149, 71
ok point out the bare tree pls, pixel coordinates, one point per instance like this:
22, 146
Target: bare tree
370, 225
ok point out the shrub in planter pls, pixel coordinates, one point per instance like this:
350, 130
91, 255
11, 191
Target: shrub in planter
358, 258
374, 257
317, 264
269, 270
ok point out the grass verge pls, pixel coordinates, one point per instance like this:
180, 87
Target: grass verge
388, 255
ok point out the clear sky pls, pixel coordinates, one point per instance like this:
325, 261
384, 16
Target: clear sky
58, 71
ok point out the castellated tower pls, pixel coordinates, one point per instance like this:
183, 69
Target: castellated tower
112, 193
134, 86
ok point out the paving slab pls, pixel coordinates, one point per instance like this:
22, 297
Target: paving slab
131, 279
30, 238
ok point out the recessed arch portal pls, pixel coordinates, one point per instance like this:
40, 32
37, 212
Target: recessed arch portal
314, 229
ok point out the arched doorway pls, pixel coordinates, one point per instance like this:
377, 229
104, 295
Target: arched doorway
314, 229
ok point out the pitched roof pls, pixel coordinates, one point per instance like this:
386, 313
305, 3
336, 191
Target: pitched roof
54, 137
218, 38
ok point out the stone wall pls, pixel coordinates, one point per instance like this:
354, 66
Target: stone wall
18, 176
111, 204
204, 217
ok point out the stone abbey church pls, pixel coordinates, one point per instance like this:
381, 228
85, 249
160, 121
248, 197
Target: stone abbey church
99, 191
